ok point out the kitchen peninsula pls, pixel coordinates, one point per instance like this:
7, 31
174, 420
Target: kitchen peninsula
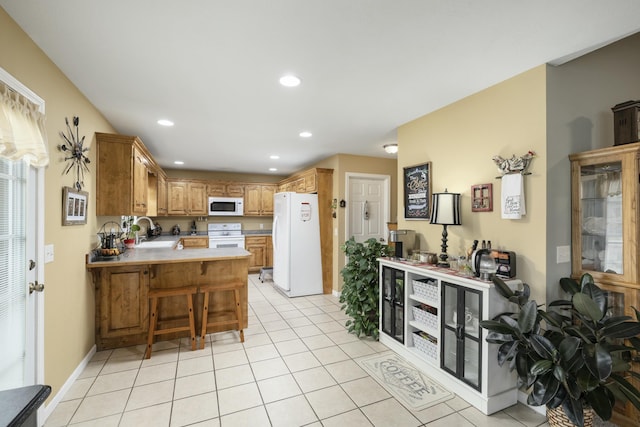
122, 286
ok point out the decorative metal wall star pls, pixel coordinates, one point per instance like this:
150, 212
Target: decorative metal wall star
77, 158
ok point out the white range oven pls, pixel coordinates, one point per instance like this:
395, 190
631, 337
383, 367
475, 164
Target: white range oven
226, 235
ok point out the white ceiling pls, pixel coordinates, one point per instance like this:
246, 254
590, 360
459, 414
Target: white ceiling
367, 66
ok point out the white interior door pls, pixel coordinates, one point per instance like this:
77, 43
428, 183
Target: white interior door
368, 207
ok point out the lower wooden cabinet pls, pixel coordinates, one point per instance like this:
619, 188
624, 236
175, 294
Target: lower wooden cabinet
195, 242
122, 308
261, 252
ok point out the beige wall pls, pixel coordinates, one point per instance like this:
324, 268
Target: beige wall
69, 293
341, 165
460, 141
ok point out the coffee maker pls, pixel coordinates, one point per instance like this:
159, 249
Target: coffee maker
404, 241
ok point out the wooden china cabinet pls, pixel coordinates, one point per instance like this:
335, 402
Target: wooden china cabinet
605, 186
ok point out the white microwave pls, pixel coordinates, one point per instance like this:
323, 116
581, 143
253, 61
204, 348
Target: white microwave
226, 206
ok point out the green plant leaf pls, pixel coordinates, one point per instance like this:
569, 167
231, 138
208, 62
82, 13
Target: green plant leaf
543, 347
506, 351
497, 326
550, 319
599, 400
629, 391
527, 317
622, 330
502, 288
497, 338
545, 388
586, 279
569, 285
596, 295
542, 366
568, 348
574, 411
587, 307
598, 360
573, 388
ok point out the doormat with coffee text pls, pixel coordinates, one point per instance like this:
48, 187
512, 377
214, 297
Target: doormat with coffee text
404, 381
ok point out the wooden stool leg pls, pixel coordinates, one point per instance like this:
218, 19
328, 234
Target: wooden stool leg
236, 293
205, 317
153, 321
192, 323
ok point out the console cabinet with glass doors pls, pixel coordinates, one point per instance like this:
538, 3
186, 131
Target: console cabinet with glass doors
436, 328
605, 186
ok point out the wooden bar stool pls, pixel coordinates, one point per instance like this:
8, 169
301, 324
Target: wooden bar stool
233, 287
154, 295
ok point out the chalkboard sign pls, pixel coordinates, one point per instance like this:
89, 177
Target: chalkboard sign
417, 191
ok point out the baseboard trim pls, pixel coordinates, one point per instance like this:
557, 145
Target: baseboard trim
48, 409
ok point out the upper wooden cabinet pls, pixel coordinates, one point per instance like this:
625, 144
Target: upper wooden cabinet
186, 197
163, 201
303, 182
258, 199
225, 189
604, 217
122, 176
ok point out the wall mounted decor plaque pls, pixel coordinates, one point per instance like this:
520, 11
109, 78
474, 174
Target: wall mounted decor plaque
417, 191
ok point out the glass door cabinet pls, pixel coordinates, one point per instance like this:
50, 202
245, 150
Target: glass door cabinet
461, 338
392, 303
605, 186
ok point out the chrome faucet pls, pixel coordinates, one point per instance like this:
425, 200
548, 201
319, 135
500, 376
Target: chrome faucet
151, 226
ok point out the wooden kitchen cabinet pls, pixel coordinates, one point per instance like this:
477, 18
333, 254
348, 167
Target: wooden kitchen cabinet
163, 202
257, 246
195, 242
258, 199
122, 176
225, 189
604, 233
122, 307
186, 197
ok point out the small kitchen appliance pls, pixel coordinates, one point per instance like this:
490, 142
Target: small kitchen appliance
404, 240
505, 262
226, 206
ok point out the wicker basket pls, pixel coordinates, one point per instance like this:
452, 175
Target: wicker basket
426, 289
424, 317
557, 417
429, 348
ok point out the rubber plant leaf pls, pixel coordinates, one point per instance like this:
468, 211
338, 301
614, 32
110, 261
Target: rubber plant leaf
598, 360
502, 288
622, 330
573, 410
599, 400
596, 295
587, 307
527, 317
569, 285
543, 347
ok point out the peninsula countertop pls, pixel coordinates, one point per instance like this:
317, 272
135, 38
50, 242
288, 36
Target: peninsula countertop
140, 256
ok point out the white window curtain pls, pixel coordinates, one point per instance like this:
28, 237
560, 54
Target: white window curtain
22, 132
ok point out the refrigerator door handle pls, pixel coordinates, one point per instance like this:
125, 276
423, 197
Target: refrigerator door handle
274, 233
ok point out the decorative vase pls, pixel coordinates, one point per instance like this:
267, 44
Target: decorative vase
557, 417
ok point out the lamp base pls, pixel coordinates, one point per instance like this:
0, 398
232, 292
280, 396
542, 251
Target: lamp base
444, 263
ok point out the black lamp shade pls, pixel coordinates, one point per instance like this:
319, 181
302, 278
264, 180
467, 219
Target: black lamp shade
445, 208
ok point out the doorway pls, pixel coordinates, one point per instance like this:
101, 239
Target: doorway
21, 263
368, 206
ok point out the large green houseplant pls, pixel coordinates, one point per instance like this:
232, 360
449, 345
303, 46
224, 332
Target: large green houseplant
360, 292
573, 355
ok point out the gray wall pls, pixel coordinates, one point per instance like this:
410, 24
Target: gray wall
580, 95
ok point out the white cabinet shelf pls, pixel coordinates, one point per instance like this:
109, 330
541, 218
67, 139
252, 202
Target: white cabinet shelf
449, 349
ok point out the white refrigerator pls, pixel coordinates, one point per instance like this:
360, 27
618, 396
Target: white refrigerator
297, 266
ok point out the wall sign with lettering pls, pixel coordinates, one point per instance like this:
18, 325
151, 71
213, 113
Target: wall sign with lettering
417, 191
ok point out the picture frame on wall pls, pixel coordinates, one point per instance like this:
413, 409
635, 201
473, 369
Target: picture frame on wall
417, 191
74, 206
482, 198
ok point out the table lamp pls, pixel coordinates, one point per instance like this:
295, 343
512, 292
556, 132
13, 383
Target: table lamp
445, 210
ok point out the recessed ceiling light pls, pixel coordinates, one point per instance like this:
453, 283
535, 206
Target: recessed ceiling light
165, 122
274, 157
306, 134
178, 162
290, 80
272, 169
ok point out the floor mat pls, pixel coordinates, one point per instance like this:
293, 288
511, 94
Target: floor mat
404, 381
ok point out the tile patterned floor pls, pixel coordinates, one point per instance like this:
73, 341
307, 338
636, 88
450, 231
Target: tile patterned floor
295, 368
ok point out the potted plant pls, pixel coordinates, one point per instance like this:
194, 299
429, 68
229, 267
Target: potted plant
578, 359
130, 241
360, 292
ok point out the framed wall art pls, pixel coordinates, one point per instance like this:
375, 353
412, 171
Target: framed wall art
417, 191
74, 206
482, 198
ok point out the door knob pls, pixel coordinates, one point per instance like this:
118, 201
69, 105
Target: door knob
36, 287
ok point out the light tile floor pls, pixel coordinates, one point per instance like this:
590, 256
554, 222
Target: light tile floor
295, 368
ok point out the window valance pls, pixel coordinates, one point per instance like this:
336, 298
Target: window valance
22, 131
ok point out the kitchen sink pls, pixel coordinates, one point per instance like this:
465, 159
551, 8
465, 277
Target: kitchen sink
156, 244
